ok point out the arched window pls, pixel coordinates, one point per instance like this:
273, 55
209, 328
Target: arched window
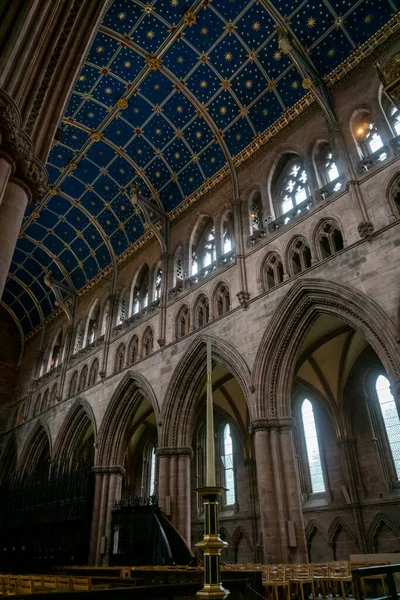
120, 358
183, 322
133, 350
55, 357
312, 447
202, 311
83, 379
106, 316
45, 403
326, 167
53, 395
73, 384
256, 213
178, 268
273, 271
147, 343
93, 323
157, 284
329, 239
227, 459
121, 309
394, 120
366, 134
140, 291
222, 300
390, 417
94, 372
152, 471
38, 405
299, 256
203, 248
227, 240
289, 183
79, 338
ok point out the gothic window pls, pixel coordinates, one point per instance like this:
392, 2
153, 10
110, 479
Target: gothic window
289, 183
202, 311
93, 323
204, 248
151, 458
209, 254
390, 417
45, 403
222, 300
133, 350
106, 315
299, 256
157, 284
256, 213
327, 170
273, 271
183, 322
195, 265
227, 240
78, 338
312, 447
38, 404
83, 379
148, 341
120, 358
329, 239
227, 460
178, 268
122, 309
55, 357
53, 395
73, 384
366, 135
140, 291
94, 372
394, 119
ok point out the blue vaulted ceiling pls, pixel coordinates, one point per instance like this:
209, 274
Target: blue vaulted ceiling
159, 123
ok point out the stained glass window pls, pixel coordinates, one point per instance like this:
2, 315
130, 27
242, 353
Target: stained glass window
390, 418
312, 446
295, 188
228, 466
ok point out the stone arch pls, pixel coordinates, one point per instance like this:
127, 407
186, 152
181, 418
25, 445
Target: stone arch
340, 526
240, 538
380, 520
178, 413
317, 541
73, 428
276, 357
113, 429
34, 446
316, 229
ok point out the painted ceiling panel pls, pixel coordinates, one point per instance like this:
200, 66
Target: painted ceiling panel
168, 92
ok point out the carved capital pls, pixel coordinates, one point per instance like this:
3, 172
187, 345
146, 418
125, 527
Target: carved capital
365, 229
111, 470
243, 298
271, 423
167, 452
17, 146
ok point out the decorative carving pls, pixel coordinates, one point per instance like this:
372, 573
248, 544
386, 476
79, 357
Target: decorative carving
189, 18
183, 451
243, 298
153, 63
390, 77
365, 229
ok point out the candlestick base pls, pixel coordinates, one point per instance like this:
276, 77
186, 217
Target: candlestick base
211, 544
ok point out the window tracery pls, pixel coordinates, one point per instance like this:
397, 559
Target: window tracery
256, 214
294, 188
367, 136
148, 341
133, 350
73, 384
273, 271
394, 120
183, 322
83, 379
120, 358
55, 358
94, 372
329, 239
78, 338
299, 256
327, 170
204, 250
93, 324
202, 311
140, 291
222, 300
158, 284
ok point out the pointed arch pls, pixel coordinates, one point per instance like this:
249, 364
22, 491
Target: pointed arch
178, 415
114, 427
315, 525
34, 446
338, 524
74, 427
275, 362
376, 523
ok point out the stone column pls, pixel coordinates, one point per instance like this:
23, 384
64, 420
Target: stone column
12, 209
174, 482
243, 295
163, 301
6, 168
279, 493
108, 486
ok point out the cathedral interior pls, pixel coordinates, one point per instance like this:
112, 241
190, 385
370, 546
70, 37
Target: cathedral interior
175, 173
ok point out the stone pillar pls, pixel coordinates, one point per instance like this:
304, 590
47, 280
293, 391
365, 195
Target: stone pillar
251, 466
6, 168
279, 492
12, 209
108, 486
174, 483
243, 295
163, 301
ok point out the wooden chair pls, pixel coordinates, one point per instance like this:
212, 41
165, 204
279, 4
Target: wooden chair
298, 576
320, 575
275, 581
81, 584
64, 584
49, 584
340, 573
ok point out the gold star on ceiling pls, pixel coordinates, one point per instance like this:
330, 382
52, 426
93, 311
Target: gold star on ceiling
256, 25
265, 112
295, 85
228, 56
249, 84
108, 90
174, 2
203, 84
180, 59
121, 16
311, 22
82, 78
99, 49
179, 109
368, 19
147, 9
277, 55
222, 110
244, 111
150, 34
204, 31
198, 134
127, 64
331, 52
